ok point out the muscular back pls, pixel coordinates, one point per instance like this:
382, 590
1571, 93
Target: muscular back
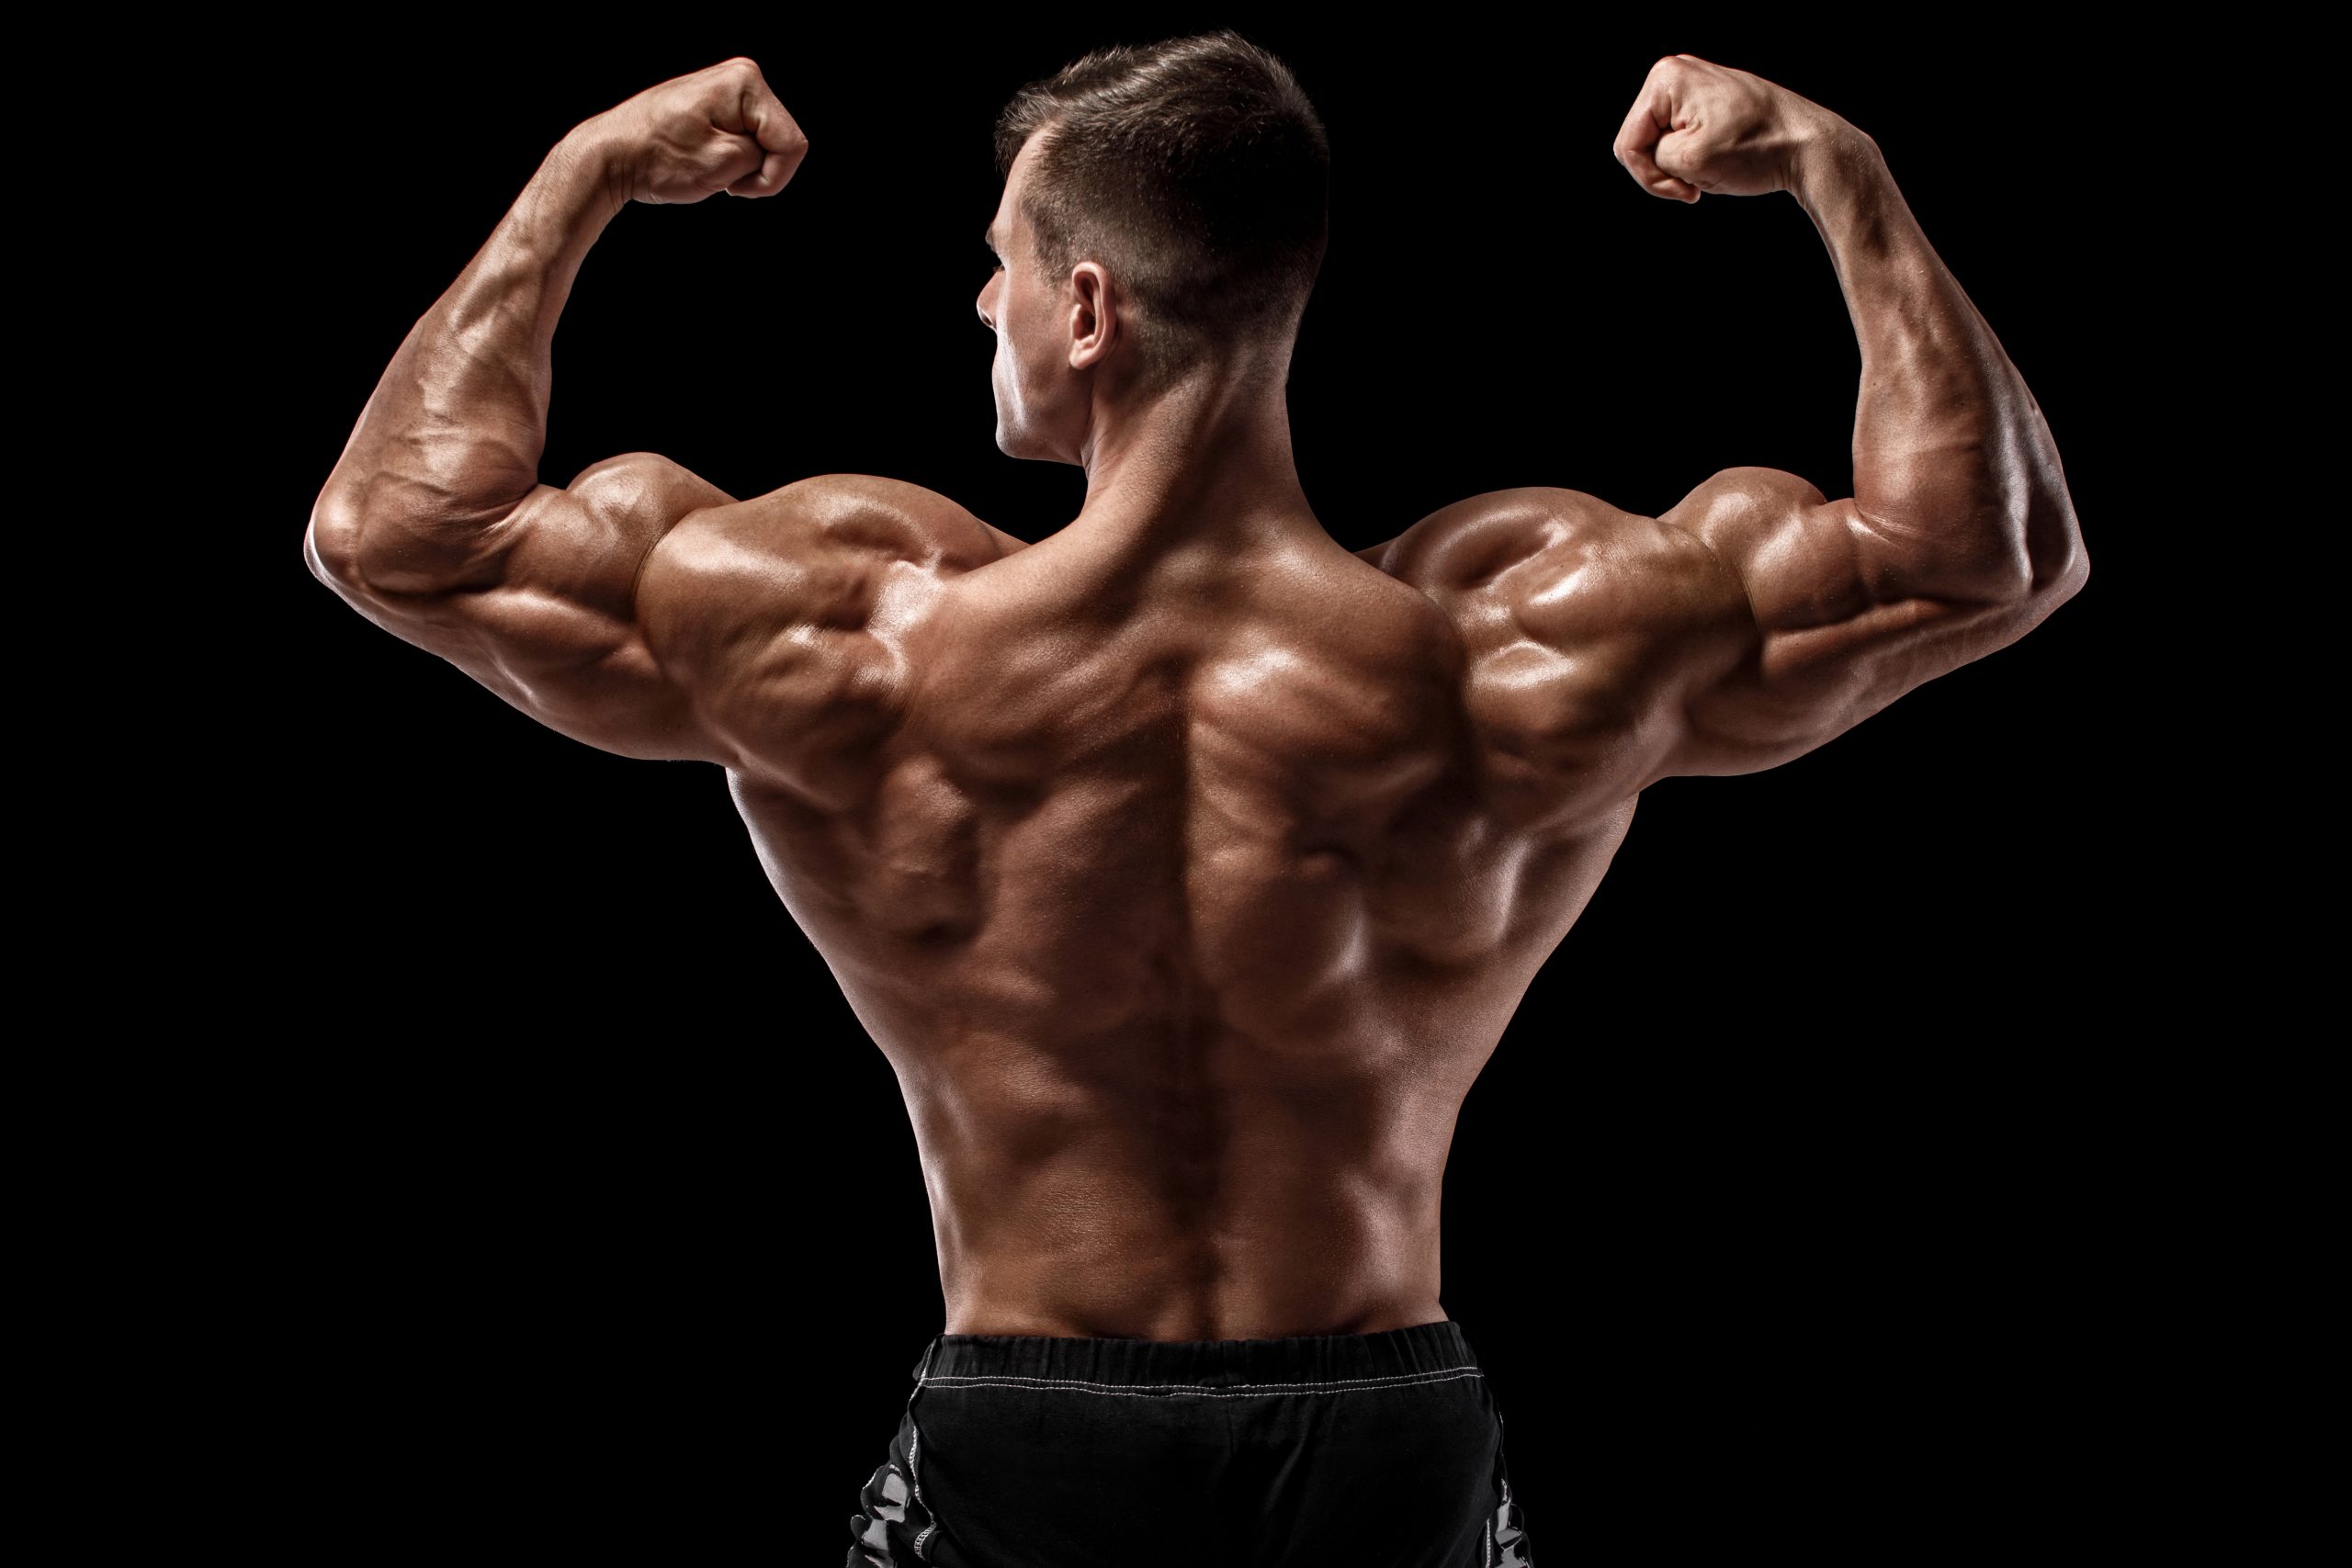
1188, 890
1176, 896
1186, 866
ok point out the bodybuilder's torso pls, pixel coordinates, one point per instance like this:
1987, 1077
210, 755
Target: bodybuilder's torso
1185, 897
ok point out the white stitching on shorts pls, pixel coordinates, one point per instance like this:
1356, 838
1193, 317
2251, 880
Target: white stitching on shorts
914, 1447
914, 1474
1153, 1389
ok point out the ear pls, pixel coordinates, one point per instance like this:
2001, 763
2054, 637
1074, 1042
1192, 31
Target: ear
1093, 315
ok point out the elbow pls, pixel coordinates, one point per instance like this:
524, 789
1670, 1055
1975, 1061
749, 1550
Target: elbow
2069, 581
2060, 563
359, 547
331, 543
2040, 562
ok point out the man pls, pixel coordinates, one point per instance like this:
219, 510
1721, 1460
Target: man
1187, 866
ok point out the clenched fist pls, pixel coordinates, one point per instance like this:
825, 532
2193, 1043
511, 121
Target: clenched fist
1698, 126
693, 136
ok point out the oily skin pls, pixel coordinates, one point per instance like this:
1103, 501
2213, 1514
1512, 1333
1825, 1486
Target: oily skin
1186, 865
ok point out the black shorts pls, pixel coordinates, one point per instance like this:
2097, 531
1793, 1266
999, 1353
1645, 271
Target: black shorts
1354, 1451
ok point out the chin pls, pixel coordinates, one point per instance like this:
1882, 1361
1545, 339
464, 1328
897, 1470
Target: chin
1015, 443
1023, 438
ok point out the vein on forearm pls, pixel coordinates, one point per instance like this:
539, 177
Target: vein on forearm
453, 436
1946, 447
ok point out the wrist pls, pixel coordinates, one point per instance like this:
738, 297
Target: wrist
593, 158
1827, 153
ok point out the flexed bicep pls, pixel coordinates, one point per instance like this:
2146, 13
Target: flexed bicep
432, 523
1958, 537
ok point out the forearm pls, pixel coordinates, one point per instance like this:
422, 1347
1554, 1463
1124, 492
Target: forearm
451, 440
1955, 473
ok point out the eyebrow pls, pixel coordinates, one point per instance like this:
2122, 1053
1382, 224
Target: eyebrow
989, 239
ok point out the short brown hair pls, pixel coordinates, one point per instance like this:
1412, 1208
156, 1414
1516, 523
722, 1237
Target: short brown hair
1195, 170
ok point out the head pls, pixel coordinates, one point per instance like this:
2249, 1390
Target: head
1163, 217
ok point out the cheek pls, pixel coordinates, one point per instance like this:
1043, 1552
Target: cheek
1005, 375
1034, 345
1016, 363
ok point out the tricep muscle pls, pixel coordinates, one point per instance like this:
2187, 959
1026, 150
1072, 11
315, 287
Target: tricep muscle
1744, 627
1844, 616
541, 605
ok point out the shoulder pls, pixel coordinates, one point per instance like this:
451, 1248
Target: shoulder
788, 616
843, 516
1554, 563
1584, 625
644, 484
822, 550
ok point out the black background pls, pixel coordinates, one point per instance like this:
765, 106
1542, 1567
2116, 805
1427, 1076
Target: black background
1794, 1204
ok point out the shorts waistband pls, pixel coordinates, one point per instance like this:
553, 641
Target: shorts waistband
1403, 1355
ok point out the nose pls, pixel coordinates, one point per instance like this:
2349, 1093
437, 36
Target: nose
981, 304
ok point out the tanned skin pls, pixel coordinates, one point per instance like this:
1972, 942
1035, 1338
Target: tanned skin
1187, 866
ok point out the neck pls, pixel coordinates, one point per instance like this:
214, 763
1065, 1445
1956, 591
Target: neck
1205, 462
